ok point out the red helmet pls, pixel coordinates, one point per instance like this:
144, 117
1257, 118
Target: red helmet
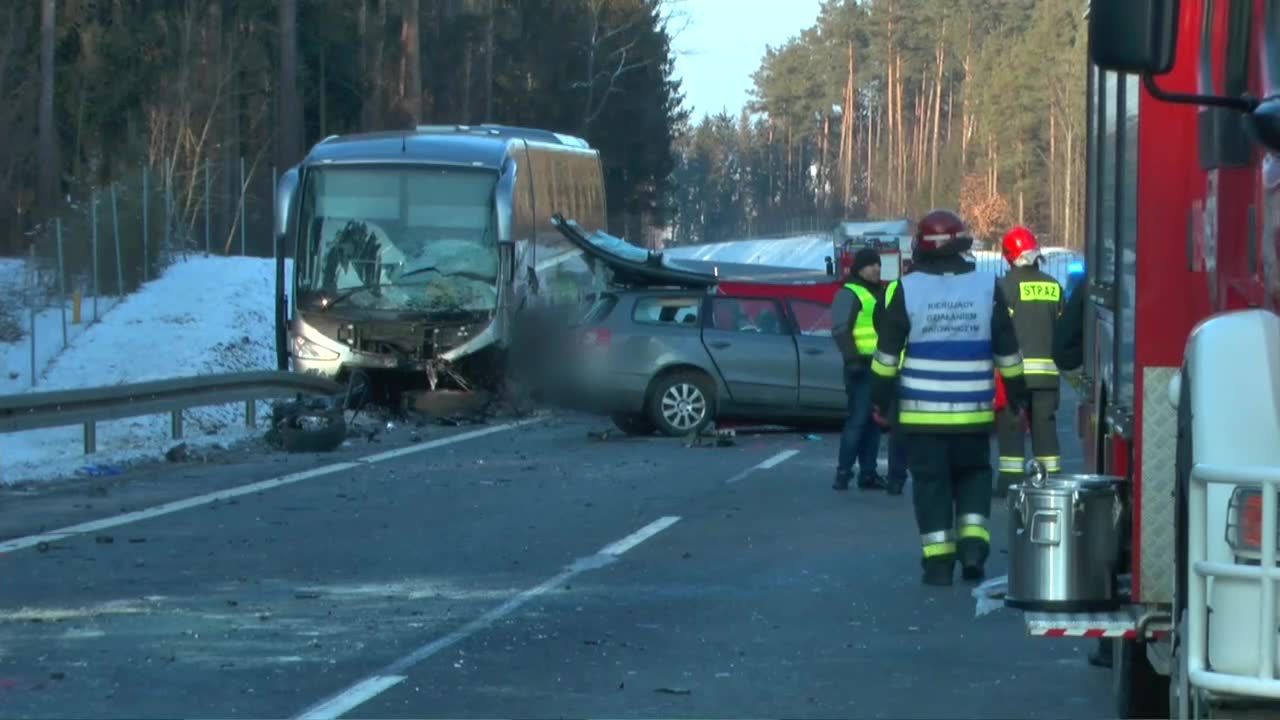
938, 231
1018, 242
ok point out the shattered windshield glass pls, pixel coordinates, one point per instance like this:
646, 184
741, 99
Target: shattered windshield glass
398, 238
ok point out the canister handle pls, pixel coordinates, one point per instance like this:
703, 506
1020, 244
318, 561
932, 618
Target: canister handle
1052, 520
1035, 470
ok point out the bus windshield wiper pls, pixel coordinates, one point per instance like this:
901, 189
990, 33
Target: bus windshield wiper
435, 269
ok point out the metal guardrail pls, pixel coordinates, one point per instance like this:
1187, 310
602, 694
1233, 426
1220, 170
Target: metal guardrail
89, 406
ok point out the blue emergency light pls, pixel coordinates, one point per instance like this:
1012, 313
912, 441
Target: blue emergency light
1075, 275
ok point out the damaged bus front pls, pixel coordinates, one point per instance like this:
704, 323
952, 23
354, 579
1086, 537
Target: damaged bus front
417, 255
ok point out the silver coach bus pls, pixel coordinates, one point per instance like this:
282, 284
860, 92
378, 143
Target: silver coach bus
422, 253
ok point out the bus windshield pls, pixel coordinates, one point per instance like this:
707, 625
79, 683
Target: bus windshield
399, 238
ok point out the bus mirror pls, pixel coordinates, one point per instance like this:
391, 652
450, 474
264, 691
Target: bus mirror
504, 196
1264, 124
1133, 36
285, 188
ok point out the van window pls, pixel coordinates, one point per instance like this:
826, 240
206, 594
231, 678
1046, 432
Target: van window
667, 311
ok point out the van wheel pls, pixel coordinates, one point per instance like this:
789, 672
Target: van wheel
681, 403
1139, 691
632, 424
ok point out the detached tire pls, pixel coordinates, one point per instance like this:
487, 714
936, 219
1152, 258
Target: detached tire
682, 403
638, 425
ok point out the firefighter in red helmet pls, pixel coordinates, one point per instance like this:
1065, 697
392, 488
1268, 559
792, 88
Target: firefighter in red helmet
1035, 302
953, 324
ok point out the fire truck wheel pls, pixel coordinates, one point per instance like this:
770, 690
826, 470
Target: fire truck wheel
1138, 690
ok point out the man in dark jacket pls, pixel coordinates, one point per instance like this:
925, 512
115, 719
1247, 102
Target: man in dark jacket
946, 331
853, 327
1035, 301
1068, 333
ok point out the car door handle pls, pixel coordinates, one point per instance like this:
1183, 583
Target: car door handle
813, 351
719, 344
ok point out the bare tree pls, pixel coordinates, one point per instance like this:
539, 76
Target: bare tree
609, 58
48, 181
289, 127
411, 54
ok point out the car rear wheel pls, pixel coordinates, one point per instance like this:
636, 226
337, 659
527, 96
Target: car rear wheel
633, 424
681, 404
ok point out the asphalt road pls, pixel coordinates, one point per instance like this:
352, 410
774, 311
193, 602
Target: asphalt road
531, 571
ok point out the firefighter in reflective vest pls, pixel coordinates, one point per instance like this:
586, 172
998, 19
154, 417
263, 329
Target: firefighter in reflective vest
954, 326
897, 478
1035, 301
853, 327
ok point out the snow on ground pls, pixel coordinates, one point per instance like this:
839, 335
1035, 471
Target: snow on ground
203, 316
807, 252
16, 299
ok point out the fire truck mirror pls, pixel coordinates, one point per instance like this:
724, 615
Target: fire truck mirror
1264, 124
1133, 36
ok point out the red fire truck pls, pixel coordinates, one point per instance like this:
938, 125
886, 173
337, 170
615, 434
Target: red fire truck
1183, 350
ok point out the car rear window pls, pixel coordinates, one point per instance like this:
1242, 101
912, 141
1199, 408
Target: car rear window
667, 311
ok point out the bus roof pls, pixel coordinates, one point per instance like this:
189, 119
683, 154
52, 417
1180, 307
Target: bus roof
482, 146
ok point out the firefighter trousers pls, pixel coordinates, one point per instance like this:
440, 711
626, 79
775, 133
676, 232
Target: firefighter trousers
951, 490
1011, 437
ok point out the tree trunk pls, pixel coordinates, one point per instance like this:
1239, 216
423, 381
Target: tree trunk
824, 173
902, 143
851, 111
1053, 173
411, 52
324, 95
1067, 208
964, 102
488, 61
49, 180
937, 115
289, 120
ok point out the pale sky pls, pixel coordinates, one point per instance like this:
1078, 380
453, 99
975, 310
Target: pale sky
719, 44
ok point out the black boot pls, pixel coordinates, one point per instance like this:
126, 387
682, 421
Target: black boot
1003, 483
842, 480
973, 558
871, 482
939, 571
894, 487
1100, 656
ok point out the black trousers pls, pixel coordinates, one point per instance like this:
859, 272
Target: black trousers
1011, 437
951, 489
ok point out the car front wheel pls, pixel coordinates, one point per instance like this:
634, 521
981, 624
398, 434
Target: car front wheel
681, 404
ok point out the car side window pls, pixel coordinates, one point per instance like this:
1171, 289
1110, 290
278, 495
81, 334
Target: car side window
667, 311
813, 318
748, 315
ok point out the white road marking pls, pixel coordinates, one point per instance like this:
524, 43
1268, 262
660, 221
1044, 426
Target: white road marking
778, 459
367, 689
357, 695
767, 464
220, 495
621, 546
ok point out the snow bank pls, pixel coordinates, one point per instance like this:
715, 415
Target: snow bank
810, 252
203, 316
806, 252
